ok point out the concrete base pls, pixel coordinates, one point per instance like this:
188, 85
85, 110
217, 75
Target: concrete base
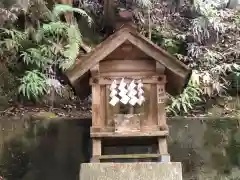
131, 171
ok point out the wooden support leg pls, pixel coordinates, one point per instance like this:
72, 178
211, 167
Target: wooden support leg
96, 149
163, 150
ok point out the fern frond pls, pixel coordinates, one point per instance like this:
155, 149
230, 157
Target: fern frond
59, 9
84, 14
54, 28
72, 49
40, 56
14, 34
12, 39
74, 34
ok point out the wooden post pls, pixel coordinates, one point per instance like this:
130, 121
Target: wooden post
98, 112
96, 102
161, 114
162, 145
151, 123
103, 105
96, 120
163, 149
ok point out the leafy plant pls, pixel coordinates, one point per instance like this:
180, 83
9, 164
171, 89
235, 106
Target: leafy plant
62, 8
33, 84
210, 45
42, 49
186, 100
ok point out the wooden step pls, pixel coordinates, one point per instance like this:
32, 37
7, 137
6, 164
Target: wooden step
129, 156
160, 157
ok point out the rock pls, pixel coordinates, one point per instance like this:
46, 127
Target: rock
130, 171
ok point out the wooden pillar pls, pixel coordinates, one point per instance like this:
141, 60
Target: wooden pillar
98, 112
151, 123
96, 120
163, 149
161, 112
96, 102
161, 116
98, 116
103, 105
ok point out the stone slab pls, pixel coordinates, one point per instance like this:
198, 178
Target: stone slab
131, 171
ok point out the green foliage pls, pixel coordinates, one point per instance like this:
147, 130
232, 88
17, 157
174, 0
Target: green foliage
71, 50
190, 96
12, 40
200, 33
37, 56
221, 139
192, 93
62, 8
171, 45
33, 84
48, 45
144, 3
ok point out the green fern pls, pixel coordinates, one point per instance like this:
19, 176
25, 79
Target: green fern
59, 9
54, 28
72, 49
52, 43
40, 56
12, 39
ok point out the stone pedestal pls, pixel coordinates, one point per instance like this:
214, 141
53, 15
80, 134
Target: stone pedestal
131, 171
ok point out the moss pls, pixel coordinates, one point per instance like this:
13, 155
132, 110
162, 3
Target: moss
222, 139
14, 160
16, 154
44, 115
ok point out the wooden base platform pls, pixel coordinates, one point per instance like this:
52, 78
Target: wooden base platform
151, 135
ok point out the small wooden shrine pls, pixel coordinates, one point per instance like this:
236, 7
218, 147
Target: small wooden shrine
129, 77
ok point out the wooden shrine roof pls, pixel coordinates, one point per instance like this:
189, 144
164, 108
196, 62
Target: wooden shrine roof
175, 69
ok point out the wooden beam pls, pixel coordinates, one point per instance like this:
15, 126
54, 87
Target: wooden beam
137, 75
111, 129
129, 156
128, 65
129, 134
108, 81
